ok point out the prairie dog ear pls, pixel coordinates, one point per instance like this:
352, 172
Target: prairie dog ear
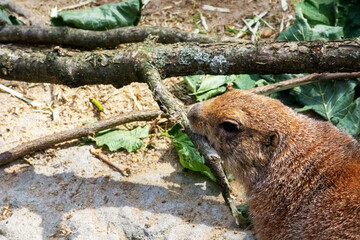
273, 139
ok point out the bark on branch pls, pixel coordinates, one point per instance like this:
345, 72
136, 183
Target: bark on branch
95, 39
295, 82
51, 140
120, 66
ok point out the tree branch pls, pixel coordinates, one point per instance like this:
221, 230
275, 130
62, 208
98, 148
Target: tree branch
295, 82
263, 58
94, 39
50, 140
176, 109
120, 66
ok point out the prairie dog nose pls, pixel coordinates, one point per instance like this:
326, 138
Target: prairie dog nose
194, 112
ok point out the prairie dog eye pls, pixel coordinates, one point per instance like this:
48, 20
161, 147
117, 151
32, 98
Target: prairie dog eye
230, 126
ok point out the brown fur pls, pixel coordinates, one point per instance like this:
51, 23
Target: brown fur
302, 176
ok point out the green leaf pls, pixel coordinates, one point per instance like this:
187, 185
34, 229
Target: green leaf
318, 11
243, 213
323, 32
352, 20
302, 31
8, 18
282, 77
213, 82
107, 16
347, 16
205, 87
189, 157
193, 81
246, 81
342, 11
351, 122
129, 140
211, 93
332, 100
303, 109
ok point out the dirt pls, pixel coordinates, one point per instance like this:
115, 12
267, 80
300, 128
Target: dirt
63, 108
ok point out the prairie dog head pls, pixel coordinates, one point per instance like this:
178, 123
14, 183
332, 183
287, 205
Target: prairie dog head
245, 129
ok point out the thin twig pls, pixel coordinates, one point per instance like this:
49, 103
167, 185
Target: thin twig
50, 140
103, 158
265, 22
134, 98
19, 95
203, 21
250, 23
295, 82
76, 5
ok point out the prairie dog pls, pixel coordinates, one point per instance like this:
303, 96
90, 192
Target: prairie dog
302, 176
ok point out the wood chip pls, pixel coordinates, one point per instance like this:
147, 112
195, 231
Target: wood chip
217, 9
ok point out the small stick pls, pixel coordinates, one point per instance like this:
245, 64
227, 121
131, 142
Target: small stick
19, 95
103, 158
295, 82
134, 99
203, 21
76, 5
284, 5
265, 22
50, 140
250, 23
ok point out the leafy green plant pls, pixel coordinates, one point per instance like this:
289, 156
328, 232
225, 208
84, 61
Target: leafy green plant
205, 87
230, 30
350, 123
196, 18
116, 139
301, 30
331, 100
189, 157
324, 20
7, 18
243, 213
107, 16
